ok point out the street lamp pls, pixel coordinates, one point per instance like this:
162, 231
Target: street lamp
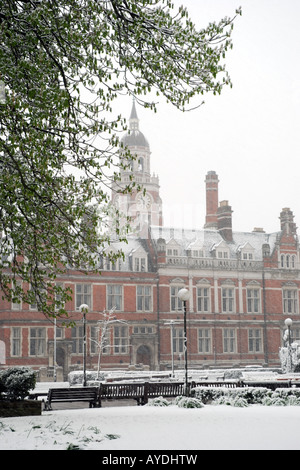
184, 295
84, 308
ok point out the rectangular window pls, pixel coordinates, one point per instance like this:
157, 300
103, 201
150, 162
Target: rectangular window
178, 340
37, 341
143, 330
77, 339
94, 340
16, 291
120, 339
203, 295
290, 301
229, 341
253, 300
83, 295
16, 341
204, 340
176, 303
114, 297
255, 340
144, 298
140, 264
295, 334
227, 300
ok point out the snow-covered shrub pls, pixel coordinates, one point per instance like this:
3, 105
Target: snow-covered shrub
188, 402
273, 401
231, 396
293, 401
16, 382
239, 402
287, 392
252, 395
231, 401
158, 401
207, 394
76, 377
284, 397
258, 394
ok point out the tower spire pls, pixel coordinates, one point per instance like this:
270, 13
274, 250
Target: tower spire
133, 120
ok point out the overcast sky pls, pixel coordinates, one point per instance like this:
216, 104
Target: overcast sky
249, 135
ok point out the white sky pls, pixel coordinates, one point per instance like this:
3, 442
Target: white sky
249, 135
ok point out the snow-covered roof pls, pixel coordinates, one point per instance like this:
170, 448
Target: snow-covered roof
208, 239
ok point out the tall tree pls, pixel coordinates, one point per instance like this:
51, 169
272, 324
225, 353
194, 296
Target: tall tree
64, 64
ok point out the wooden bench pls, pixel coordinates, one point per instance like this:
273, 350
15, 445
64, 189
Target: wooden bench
117, 391
164, 389
76, 394
141, 392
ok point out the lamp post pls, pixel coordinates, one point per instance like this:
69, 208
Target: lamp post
288, 323
183, 295
84, 308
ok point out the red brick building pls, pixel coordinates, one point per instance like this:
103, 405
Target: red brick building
242, 287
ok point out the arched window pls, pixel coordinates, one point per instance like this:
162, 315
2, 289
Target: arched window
141, 164
288, 261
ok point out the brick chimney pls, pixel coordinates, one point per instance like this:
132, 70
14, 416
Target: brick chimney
212, 200
225, 221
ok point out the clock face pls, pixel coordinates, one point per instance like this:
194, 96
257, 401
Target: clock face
143, 202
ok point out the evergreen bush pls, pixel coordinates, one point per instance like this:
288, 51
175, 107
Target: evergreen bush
158, 401
188, 402
16, 382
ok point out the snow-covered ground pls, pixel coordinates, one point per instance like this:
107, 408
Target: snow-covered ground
126, 428
156, 428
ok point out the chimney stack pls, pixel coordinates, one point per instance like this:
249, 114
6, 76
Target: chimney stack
212, 200
225, 221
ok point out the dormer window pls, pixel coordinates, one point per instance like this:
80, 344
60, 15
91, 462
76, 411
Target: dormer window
139, 260
173, 248
246, 252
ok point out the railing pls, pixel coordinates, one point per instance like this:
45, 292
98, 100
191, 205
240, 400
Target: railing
213, 263
142, 392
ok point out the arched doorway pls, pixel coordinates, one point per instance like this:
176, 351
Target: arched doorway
143, 355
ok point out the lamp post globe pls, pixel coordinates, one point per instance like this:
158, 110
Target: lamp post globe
184, 294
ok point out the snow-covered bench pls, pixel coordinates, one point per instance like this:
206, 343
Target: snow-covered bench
76, 394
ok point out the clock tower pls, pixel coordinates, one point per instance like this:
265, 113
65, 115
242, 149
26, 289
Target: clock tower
143, 207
